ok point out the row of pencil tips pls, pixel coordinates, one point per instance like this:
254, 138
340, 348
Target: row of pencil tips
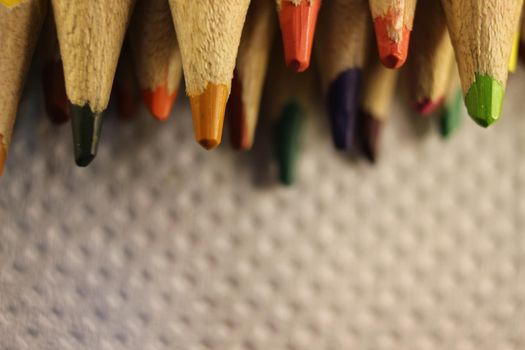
236, 62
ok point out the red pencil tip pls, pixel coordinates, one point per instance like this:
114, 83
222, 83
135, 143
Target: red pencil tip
392, 45
426, 106
160, 101
298, 29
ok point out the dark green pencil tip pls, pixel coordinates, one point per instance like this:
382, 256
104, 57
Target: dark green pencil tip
287, 134
87, 126
451, 115
484, 100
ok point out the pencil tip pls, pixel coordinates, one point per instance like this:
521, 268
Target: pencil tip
240, 136
3, 154
451, 116
484, 100
159, 101
343, 99
286, 141
427, 106
298, 28
87, 126
369, 136
392, 46
207, 110
208, 144
55, 99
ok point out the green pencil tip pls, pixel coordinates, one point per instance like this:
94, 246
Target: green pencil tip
87, 126
451, 116
484, 100
286, 141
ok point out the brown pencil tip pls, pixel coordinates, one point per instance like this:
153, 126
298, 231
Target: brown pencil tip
208, 109
3, 154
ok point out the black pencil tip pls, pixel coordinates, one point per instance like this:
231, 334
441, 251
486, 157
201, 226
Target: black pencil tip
87, 126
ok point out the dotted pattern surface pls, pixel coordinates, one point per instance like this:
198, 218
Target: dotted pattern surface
161, 245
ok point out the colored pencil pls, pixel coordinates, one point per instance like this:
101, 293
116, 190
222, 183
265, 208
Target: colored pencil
378, 92
53, 84
126, 85
341, 45
288, 99
482, 34
393, 21
20, 23
208, 34
90, 34
250, 73
156, 55
430, 58
297, 19
451, 114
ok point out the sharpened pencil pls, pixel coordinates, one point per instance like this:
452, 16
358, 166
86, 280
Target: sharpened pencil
482, 34
208, 33
20, 24
393, 20
341, 46
451, 114
430, 58
378, 92
156, 55
90, 34
288, 99
297, 19
250, 73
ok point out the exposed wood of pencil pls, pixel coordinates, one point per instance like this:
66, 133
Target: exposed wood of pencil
482, 34
250, 72
430, 57
19, 29
156, 55
90, 33
208, 33
341, 46
393, 20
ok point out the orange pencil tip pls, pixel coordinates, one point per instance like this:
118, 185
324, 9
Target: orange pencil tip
392, 45
160, 101
208, 109
298, 29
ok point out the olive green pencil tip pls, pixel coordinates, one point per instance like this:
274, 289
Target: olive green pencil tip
484, 100
87, 126
287, 137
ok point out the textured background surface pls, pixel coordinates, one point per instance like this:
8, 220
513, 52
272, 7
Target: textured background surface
161, 245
